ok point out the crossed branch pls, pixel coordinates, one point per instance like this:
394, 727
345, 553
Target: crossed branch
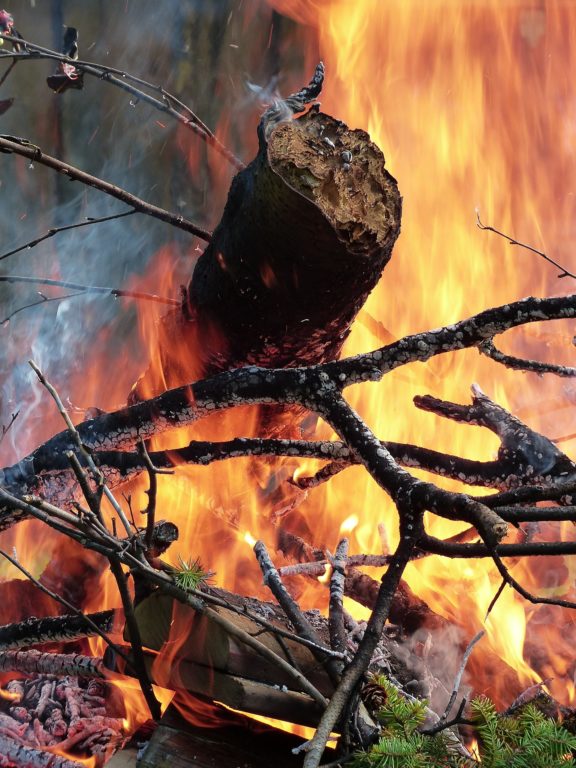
43, 484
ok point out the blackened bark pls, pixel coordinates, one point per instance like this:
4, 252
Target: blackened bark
307, 230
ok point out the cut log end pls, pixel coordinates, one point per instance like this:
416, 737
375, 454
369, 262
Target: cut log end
308, 227
343, 172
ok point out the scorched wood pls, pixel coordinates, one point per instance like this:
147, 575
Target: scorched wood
308, 227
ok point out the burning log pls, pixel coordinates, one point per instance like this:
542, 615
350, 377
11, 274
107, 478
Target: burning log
52, 629
35, 662
307, 230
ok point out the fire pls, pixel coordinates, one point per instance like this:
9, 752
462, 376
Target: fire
133, 702
472, 104
459, 96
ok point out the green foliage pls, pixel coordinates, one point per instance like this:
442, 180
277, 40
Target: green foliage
189, 574
527, 739
401, 745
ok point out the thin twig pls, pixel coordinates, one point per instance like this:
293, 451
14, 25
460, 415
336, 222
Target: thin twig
489, 349
150, 510
18, 146
81, 447
495, 598
138, 663
117, 292
167, 103
512, 241
56, 230
6, 427
40, 303
458, 679
535, 599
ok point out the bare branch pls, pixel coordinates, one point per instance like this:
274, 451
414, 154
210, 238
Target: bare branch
6, 427
41, 301
512, 241
150, 510
116, 292
458, 678
56, 230
81, 447
335, 609
167, 103
521, 364
18, 146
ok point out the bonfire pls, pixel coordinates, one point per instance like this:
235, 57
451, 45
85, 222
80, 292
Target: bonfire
286, 449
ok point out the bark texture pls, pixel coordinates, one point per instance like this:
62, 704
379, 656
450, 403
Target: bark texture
307, 230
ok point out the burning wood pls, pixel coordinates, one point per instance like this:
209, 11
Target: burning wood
35, 662
52, 629
47, 715
308, 228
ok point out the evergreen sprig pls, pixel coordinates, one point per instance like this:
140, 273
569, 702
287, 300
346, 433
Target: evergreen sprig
526, 739
189, 574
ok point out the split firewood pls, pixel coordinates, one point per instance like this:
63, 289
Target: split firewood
212, 663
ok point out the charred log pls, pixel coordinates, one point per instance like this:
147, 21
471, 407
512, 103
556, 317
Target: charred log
52, 629
307, 230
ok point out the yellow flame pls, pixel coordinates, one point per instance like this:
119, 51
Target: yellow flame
349, 524
458, 95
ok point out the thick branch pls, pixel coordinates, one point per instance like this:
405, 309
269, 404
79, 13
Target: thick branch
304, 386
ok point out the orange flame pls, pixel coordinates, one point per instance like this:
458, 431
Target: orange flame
474, 105
459, 97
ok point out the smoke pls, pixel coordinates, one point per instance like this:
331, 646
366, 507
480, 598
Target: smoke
185, 47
